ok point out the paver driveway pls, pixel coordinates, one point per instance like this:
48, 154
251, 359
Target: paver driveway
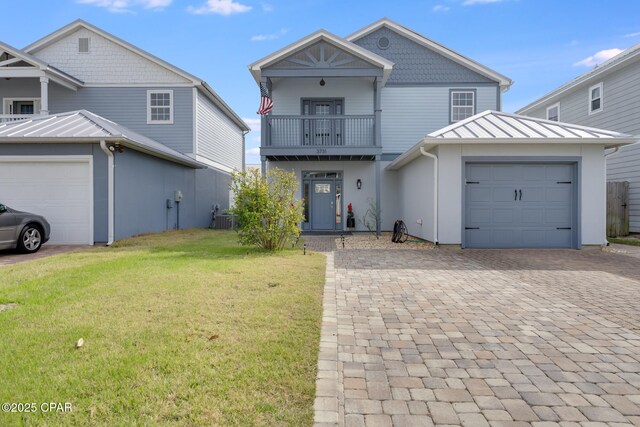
480, 338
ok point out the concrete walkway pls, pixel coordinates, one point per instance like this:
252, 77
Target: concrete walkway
477, 338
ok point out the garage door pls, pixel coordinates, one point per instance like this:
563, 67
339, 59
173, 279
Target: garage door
58, 188
519, 206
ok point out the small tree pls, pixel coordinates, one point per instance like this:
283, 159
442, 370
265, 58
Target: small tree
370, 218
266, 208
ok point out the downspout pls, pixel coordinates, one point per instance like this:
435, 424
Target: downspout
606, 157
244, 148
110, 204
435, 192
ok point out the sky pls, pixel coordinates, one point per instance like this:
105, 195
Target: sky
539, 44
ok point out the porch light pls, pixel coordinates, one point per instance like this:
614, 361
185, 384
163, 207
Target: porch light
359, 184
322, 82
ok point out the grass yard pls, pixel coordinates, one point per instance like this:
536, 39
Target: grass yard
180, 328
632, 240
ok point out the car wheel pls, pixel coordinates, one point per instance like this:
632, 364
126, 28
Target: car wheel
30, 239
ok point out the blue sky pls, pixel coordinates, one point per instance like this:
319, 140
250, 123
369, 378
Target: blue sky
540, 44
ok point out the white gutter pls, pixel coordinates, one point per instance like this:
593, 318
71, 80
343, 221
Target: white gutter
606, 156
110, 204
435, 192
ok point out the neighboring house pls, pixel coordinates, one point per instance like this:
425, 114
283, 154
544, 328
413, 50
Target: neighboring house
102, 138
348, 113
607, 97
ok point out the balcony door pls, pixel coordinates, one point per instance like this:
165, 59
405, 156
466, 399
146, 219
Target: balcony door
319, 131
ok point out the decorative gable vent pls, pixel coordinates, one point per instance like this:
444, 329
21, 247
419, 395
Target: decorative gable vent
383, 43
83, 45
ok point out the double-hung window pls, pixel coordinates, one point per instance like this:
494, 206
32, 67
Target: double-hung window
462, 104
553, 112
159, 106
595, 98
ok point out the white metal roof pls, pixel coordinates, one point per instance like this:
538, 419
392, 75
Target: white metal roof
498, 125
495, 127
83, 126
620, 60
503, 80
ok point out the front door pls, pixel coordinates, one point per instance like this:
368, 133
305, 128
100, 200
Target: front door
323, 209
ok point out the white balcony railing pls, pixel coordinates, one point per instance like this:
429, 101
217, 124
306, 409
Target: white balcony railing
4, 118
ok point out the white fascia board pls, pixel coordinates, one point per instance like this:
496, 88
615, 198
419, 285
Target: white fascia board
312, 38
504, 81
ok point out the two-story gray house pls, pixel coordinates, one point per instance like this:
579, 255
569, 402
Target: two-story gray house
608, 96
108, 141
390, 121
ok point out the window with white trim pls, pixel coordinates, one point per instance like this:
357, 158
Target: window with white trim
159, 106
462, 105
595, 98
553, 112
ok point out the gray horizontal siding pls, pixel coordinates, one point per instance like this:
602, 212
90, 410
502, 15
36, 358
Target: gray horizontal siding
219, 139
128, 107
621, 112
410, 113
416, 64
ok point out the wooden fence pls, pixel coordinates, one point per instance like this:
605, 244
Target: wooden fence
617, 209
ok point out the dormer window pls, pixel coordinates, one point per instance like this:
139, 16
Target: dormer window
83, 45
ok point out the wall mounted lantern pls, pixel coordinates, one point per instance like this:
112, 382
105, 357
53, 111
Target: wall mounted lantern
359, 184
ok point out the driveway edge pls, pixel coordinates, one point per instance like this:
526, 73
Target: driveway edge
328, 391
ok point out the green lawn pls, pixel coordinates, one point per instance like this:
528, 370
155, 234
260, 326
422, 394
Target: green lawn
180, 328
630, 240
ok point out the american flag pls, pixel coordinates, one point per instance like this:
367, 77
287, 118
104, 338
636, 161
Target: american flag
266, 103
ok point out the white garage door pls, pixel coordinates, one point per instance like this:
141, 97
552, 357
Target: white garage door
60, 188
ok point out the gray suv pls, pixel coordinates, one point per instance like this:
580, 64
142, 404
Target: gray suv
21, 230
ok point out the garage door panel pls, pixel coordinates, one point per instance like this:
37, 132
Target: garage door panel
505, 173
478, 173
533, 173
480, 194
531, 194
543, 217
56, 188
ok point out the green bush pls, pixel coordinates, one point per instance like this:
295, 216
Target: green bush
267, 211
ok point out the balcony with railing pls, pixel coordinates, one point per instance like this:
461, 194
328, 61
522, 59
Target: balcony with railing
5, 118
320, 135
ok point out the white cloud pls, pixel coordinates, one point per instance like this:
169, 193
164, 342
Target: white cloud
632, 34
598, 58
220, 7
127, 6
254, 124
267, 7
472, 2
441, 8
255, 151
273, 36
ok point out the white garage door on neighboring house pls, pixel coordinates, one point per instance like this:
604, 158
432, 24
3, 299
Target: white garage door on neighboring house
512, 205
60, 188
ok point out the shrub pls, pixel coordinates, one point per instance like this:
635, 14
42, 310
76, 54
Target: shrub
268, 213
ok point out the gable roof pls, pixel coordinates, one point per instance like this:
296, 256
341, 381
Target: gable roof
322, 35
83, 126
495, 127
199, 83
620, 60
504, 81
52, 72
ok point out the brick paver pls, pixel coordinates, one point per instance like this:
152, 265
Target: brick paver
469, 337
